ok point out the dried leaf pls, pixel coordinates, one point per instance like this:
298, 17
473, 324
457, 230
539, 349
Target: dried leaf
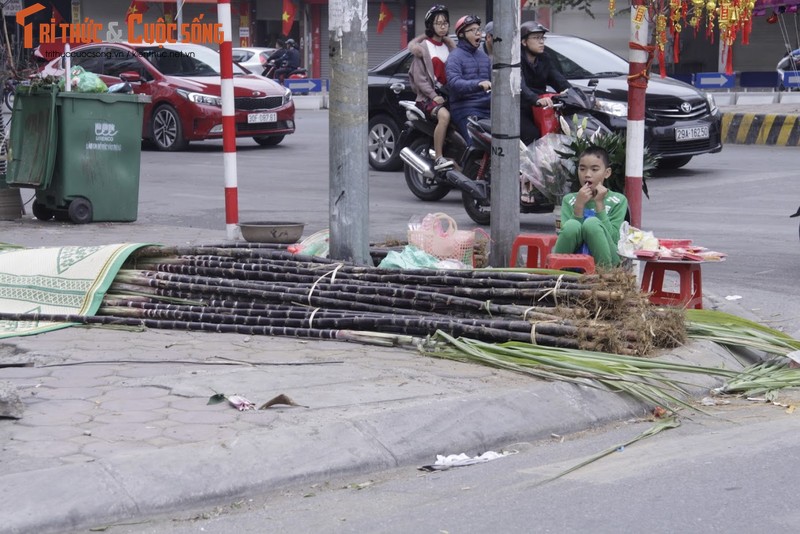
280, 399
216, 398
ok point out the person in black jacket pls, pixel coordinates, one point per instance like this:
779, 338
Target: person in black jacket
290, 61
537, 73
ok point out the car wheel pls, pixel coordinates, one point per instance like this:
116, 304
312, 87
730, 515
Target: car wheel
423, 188
41, 212
166, 129
384, 152
80, 211
673, 163
268, 140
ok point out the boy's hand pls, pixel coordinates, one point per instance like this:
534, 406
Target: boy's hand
600, 193
485, 85
585, 194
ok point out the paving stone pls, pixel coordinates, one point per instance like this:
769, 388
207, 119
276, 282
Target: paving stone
55, 413
67, 393
134, 404
19, 373
125, 432
211, 417
45, 449
105, 449
116, 417
81, 372
125, 393
196, 433
23, 432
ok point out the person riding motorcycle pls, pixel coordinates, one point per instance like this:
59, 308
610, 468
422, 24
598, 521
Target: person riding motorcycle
537, 73
469, 75
288, 60
427, 75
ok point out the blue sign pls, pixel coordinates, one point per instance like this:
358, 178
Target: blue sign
714, 80
304, 85
791, 79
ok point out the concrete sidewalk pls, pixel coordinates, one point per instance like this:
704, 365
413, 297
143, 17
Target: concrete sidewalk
116, 423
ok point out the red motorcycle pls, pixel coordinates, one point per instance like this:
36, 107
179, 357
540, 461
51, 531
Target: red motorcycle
272, 66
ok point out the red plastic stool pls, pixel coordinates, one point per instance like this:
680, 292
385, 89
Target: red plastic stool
570, 261
691, 284
538, 245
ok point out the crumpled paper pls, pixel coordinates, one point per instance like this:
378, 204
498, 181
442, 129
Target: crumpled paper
460, 460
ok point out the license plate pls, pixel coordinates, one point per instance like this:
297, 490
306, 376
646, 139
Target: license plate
695, 132
261, 117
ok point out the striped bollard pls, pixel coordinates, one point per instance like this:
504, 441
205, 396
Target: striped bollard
228, 121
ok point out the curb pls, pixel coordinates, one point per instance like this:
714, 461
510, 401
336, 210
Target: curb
760, 129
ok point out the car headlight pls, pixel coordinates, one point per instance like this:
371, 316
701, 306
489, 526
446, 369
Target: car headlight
287, 96
200, 98
712, 104
614, 108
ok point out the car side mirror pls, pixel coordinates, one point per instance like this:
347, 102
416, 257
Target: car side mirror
130, 76
593, 82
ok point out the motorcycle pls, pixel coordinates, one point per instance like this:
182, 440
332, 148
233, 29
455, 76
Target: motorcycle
475, 178
418, 155
789, 63
271, 66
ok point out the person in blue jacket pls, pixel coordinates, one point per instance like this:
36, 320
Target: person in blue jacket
469, 75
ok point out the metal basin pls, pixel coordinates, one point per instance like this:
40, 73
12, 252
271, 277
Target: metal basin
272, 232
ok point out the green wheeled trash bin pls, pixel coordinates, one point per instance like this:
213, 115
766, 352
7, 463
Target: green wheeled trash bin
88, 169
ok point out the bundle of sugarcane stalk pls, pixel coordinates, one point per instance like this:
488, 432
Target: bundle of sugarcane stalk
267, 290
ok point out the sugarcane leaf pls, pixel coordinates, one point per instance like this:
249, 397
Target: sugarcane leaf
216, 398
663, 424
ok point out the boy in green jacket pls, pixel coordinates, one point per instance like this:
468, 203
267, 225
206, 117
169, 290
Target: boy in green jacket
593, 215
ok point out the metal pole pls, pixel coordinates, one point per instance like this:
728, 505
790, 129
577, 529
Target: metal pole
349, 176
179, 17
505, 131
637, 86
228, 121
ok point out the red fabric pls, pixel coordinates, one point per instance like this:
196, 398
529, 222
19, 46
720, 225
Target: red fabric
289, 9
384, 18
56, 15
729, 62
137, 7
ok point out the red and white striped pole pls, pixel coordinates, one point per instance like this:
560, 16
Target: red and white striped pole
639, 61
228, 120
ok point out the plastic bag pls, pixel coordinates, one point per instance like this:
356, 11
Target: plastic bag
409, 258
84, 82
542, 167
317, 244
632, 239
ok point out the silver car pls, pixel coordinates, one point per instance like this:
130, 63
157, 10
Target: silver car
253, 59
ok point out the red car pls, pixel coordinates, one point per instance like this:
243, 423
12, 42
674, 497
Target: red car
183, 83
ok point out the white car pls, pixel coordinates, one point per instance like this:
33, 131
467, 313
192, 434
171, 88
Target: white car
253, 59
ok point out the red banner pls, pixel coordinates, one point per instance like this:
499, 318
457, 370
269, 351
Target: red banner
289, 10
384, 18
137, 7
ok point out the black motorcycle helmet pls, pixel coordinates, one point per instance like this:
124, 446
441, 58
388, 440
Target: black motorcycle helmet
466, 20
530, 27
289, 43
430, 16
